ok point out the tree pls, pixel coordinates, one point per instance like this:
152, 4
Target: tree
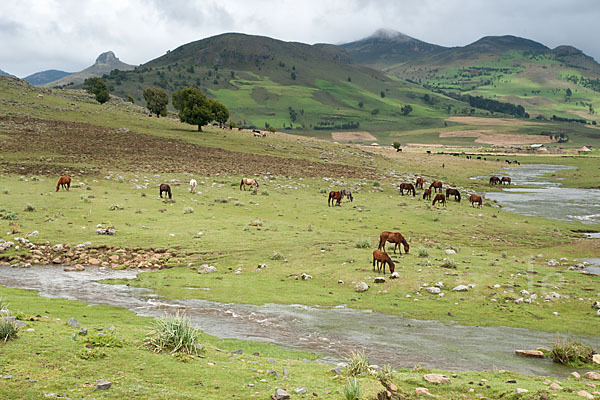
197, 109
219, 111
382, 94
156, 101
361, 104
98, 88
397, 145
293, 76
407, 109
569, 92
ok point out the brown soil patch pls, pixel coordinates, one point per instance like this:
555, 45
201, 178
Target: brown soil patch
498, 139
352, 136
491, 121
79, 149
467, 134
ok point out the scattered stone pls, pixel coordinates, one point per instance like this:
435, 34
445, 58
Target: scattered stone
519, 390
73, 322
436, 378
56, 260
34, 233
585, 394
552, 263
529, 353
433, 290
555, 386
361, 287
20, 324
93, 261
423, 391
206, 269
340, 282
273, 372
450, 251
519, 300
575, 375
102, 384
596, 358
238, 351
592, 375
105, 231
461, 288
394, 275
439, 284
82, 332
281, 394
300, 390
379, 279
337, 370
305, 276
74, 268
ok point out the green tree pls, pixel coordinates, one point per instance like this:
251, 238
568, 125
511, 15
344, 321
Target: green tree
197, 109
219, 111
382, 94
569, 92
397, 145
293, 75
407, 109
98, 88
156, 101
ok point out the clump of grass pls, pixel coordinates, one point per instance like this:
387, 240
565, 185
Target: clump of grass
385, 373
257, 222
357, 363
246, 228
449, 263
116, 207
264, 193
3, 304
376, 184
173, 333
238, 203
423, 252
254, 192
310, 228
109, 339
10, 216
29, 208
277, 256
323, 191
5, 191
188, 210
14, 227
571, 352
91, 354
352, 389
363, 244
8, 330
436, 218
504, 254
221, 200
85, 198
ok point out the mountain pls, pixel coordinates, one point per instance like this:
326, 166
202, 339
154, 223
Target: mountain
40, 78
2, 73
105, 63
388, 47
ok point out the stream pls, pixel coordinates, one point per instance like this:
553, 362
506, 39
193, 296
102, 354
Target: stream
330, 332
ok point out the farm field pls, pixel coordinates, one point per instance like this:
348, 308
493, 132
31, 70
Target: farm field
118, 156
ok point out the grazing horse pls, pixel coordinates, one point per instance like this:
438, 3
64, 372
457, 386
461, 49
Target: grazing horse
347, 193
427, 194
248, 182
475, 199
453, 192
439, 197
337, 196
408, 187
382, 258
494, 180
393, 237
506, 179
419, 183
64, 182
436, 185
165, 188
193, 185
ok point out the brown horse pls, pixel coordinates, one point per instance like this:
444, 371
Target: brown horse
337, 196
494, 180
419, 183
165, 188
436, 185
393, 237
475, 199
427, 194
248, 182
453, 192
64, 182
382, 258
408, 187
506, 179
439, 197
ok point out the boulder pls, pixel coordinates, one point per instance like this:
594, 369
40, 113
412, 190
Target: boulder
206, 269
114, 258
436, 378
450, 251
102, 384
555, 386
379, 279
394, 275
461, 288
520, 390
93, 261
281, 394
529, 353
73, 322
423, 391
585, 394
56, 260
361, 287
433, 290
592, 375
596, 358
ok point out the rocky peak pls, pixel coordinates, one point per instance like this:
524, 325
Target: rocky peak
107, 58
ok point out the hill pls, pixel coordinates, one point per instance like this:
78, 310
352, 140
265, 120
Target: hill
40, 78
105, 63
3, 73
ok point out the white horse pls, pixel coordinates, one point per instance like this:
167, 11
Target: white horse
193, 185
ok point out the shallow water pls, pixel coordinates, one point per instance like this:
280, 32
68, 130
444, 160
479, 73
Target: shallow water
594, 267
547, 198
331, 332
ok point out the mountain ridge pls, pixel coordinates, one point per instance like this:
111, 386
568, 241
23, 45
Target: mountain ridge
105, 63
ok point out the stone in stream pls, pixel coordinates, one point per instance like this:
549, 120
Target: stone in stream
361, 287
73, 322
281, 394
102, 384
436, 378
529, 353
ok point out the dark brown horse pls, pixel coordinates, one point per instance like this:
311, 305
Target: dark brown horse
427, 194
64, 182
382, 258
453, 192
347, 193
475, 199
436, 185
165, 188
419, 183
494, 180
439, 198
393, 237
337, 196
506, 179
408, 187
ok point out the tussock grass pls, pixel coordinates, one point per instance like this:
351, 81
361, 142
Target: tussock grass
352, 389
571, 352
29, 208
8, 330
423, 252
277, 256
173, 333
188, 210
358, 363
363, 244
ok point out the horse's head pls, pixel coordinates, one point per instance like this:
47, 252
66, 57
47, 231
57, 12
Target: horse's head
406, 245
391, 264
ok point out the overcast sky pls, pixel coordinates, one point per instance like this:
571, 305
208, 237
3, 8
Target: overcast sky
68, 35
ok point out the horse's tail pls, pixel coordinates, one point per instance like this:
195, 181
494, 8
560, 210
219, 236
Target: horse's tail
458, 197
169, 191
58, 184
381, 242
413, 190
255, 181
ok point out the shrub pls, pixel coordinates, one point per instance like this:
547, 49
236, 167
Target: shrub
449, 263
91, 354
238, 203
357, 363
173, 333
323, 191
264, 193
3, 304
9, 215
376, 184
29, 208
352, 389
85, 198
109, 339
504, 254
423, 252
257, 222
385, 373
363, 244
8, 330
5, 191
221, 200
277, 256
572, 353
254, 192
188, 210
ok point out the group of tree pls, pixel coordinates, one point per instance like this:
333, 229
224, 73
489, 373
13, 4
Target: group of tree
98, 88
196, 108
491, 105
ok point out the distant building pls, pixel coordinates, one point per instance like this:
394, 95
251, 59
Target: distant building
584, 150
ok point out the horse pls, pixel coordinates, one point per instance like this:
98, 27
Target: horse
248, 182
506, 179
165, 188
393, 237
475, 199
494, 180
347, 193
64, 182
419, 183
436, 185
337, 196
382, 258
427, 194
453, 192
439, 198
193, 185
408, 187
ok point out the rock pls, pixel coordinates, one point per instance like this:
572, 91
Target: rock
423, 391
75, 268
82, 331
555, 386
9, 319
433, 290
361, 287
20, 324
114, 258
592, 375
206, 269
529, 353
575, 375
461, 288
450, 251
585, 394
596, 305
56, 260
281, 394
305, 276
552, 262
272, 372
379, 279
300, 390
34, 233
93, 261
57, 247
102, 384
596, 358
394, 275
340, 282
73, 322
553, 295
238, 351
392, 387
436, 378
337, 370
519, 390
439, 284
519, 300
